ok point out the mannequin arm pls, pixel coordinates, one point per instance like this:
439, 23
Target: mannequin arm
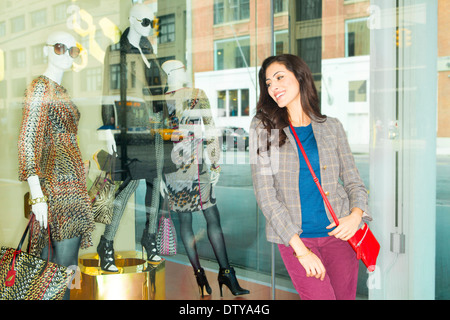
39, 209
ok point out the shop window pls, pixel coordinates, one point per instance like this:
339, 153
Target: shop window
308, 9
221, 103
37, 53
310, 50
2, 29
60, 12
281, 42
357, 37
39, 18
114, 72
233, 103
232, 53
357, 91
280, 6
19, 58
245, 102
167, 28
92, 79
233, 10
18, 24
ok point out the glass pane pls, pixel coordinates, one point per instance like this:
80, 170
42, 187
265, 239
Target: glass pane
188, 94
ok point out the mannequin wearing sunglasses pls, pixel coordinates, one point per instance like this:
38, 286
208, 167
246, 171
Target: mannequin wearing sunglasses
142, 159
50, 160
189, 181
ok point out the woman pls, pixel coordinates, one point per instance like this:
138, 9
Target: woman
320, 262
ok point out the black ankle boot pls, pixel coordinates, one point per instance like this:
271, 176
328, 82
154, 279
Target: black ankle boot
148, 241
202, 282
105, 250
228, 278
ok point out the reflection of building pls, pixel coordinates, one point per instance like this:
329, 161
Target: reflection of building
225, 47
230, 40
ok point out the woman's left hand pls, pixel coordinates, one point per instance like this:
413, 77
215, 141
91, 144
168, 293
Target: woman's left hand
348, 225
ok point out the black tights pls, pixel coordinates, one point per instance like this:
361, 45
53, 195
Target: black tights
64, 253
215, 236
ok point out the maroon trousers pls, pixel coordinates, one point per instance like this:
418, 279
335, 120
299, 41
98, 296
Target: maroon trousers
341, 265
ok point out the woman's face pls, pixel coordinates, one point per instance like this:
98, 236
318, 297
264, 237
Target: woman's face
282, 85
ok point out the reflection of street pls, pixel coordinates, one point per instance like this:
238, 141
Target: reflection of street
236, 168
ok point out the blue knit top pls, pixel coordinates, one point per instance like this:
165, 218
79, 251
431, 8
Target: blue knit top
314, 217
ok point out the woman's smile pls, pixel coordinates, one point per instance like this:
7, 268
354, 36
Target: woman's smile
282, 85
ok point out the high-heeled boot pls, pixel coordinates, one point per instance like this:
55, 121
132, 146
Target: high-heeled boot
228, 277
148, 241
202, 282
105, 250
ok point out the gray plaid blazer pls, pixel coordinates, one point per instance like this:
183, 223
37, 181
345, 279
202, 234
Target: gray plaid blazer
275, 176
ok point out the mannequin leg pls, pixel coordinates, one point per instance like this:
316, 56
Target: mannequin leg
65, 253
227, 274
215, 236
188, 238
105, 248
120, 204
148, 239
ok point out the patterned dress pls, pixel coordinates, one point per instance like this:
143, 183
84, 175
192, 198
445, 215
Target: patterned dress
186, 171
48, 148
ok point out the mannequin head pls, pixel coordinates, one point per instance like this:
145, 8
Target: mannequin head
138, 13
176, 74
58, 63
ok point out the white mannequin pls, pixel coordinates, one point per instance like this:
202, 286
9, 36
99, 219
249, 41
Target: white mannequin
176, 79
57, 64
176, 74
138, 13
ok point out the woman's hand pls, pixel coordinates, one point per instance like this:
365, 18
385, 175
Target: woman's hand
309, 261
312, 265
348, 225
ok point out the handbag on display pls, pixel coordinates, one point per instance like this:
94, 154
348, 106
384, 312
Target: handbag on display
363, 241
27, 277
166, 237
102, 191
102, 197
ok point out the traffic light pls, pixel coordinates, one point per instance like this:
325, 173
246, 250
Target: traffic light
403, 37
156, 26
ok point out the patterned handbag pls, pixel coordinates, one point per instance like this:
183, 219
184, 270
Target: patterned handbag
166, 238
27, 277
102, 197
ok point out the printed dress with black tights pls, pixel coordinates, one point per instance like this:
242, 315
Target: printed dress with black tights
48, 148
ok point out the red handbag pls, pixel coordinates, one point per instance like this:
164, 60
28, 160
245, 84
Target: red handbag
363, 242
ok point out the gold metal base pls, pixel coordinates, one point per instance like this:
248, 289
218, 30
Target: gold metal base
136, 279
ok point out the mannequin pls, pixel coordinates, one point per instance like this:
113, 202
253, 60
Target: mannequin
188, 182
136, 160
50, 160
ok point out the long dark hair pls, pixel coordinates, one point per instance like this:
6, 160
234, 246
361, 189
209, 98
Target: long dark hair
267, 110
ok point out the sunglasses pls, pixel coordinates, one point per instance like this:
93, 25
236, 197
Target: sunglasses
61, 48
144, 22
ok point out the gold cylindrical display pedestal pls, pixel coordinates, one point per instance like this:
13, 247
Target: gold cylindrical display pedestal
136, 279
